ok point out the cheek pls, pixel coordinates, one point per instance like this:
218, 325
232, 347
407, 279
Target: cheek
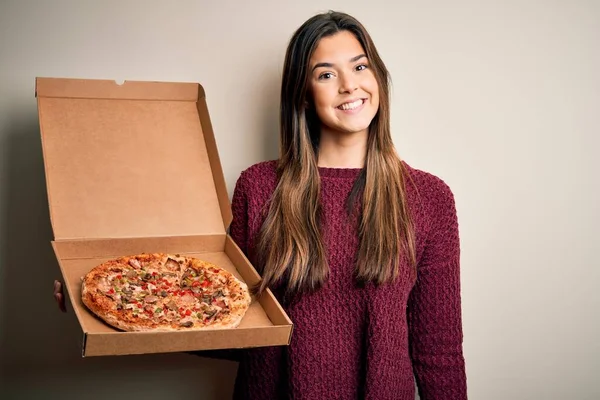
323, 101
375, 98
373, 89
321, 96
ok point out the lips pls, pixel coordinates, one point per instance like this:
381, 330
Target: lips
351, 105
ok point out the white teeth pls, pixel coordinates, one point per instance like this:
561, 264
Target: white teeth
351, 106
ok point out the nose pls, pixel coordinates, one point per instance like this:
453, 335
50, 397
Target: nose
348, 83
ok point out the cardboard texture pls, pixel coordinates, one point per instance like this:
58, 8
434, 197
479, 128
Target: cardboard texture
134, 168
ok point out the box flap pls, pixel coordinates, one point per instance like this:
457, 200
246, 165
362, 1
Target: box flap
131, 160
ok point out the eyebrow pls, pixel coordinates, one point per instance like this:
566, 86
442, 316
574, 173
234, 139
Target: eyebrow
330, 65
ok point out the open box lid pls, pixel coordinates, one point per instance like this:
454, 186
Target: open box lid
131, 160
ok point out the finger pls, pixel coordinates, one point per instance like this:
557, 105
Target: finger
56, 286
61, 302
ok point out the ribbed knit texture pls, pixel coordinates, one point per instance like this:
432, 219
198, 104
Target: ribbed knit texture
362, 343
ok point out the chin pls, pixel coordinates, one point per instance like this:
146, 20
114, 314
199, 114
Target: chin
350, 125
356, 124
356, 127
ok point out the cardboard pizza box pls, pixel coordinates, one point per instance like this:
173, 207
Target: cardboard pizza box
134, 168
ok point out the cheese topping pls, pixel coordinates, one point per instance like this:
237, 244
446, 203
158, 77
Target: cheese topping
149, 292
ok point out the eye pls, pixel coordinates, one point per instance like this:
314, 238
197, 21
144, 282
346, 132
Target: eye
361, 67
325, 75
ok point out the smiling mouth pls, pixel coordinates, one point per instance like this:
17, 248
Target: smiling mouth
352, 105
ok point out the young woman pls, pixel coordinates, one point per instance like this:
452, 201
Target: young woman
361, 249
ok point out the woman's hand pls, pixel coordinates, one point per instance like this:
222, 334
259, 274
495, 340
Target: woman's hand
59, 296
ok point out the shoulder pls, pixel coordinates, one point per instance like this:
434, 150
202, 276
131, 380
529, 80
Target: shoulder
257, 178
427, 182
260, 172
429, 191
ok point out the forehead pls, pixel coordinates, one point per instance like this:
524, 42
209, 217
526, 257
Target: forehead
340, 47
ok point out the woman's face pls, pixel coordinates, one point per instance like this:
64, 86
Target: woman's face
344, 90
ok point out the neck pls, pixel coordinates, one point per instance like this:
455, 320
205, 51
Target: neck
342, 150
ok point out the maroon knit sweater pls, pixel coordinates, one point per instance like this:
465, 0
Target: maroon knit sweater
362, 343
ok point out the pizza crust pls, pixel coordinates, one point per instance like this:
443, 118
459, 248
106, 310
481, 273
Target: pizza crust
164, 292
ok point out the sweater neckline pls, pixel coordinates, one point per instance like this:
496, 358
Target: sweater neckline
332, 172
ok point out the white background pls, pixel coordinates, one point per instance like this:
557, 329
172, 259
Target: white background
501, 99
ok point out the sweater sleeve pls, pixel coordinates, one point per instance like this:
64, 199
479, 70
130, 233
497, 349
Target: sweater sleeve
239, 208
238, 232
434, 308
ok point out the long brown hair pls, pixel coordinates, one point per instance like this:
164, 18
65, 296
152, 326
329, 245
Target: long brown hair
289, 248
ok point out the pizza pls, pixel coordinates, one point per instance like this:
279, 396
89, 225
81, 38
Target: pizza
164, 292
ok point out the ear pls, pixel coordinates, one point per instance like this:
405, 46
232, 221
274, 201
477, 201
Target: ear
308, 103
308, 99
